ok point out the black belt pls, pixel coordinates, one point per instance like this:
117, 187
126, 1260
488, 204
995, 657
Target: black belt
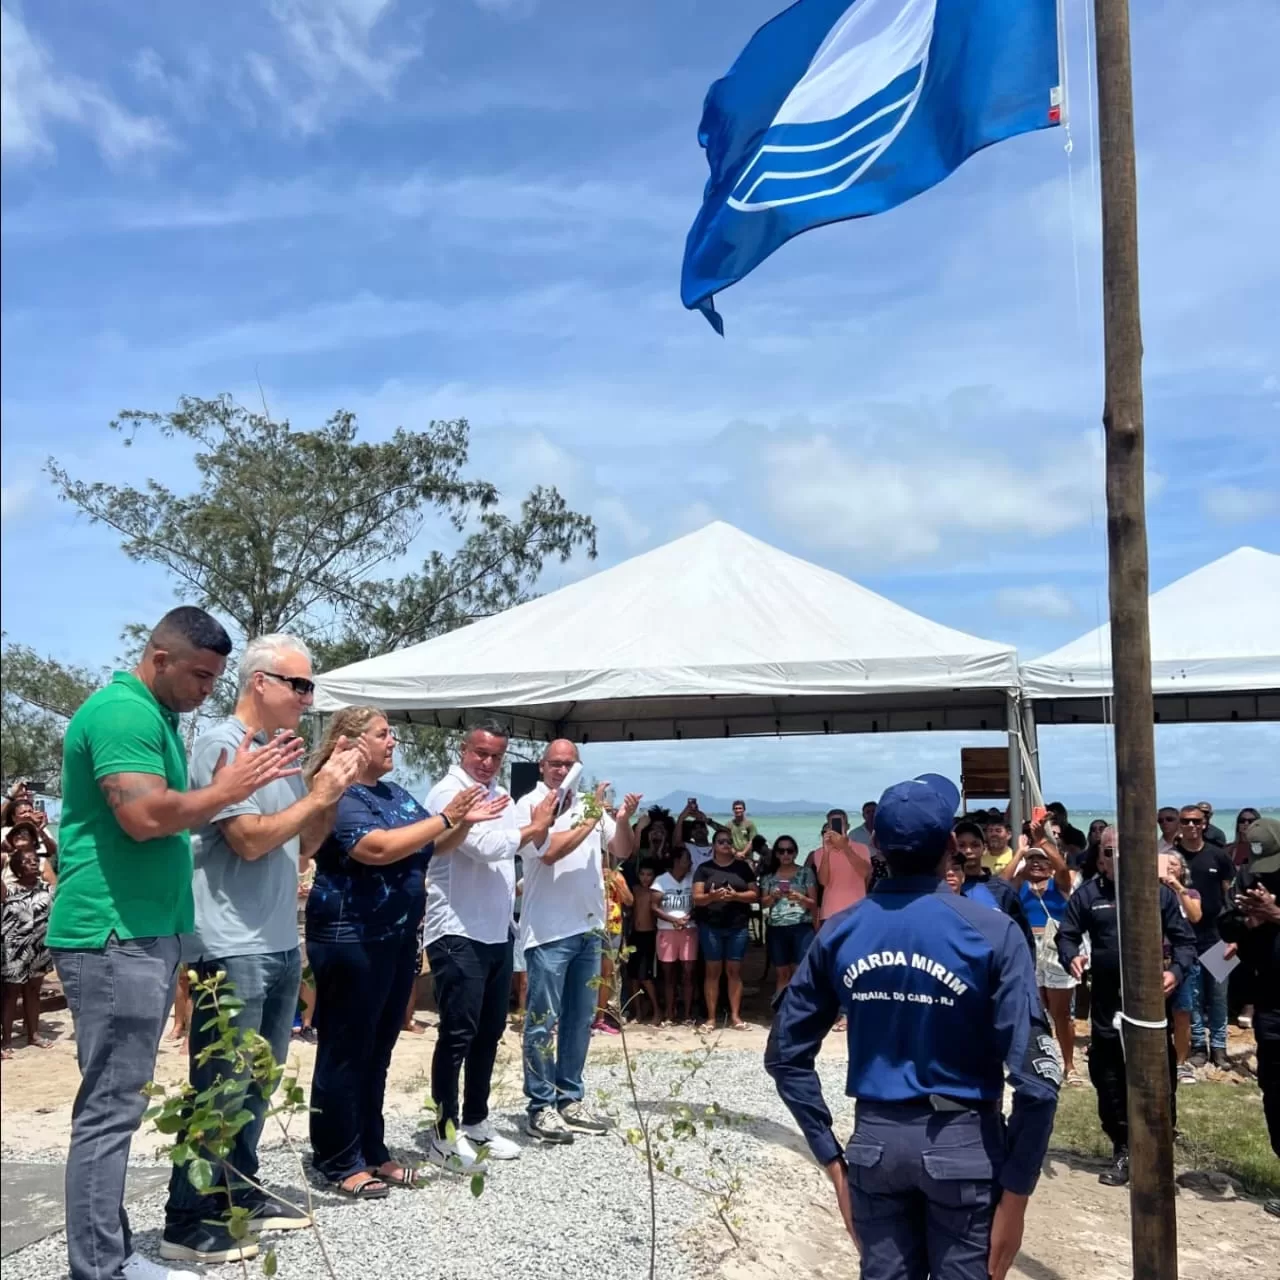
935, 1102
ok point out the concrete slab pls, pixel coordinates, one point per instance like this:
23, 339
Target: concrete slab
31, 1204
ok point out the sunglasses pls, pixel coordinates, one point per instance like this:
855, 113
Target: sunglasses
1191, 822
299, 684
786, 848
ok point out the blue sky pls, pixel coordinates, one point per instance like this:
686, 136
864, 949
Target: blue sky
478, 209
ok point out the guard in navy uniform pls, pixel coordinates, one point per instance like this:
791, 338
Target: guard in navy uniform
940, 997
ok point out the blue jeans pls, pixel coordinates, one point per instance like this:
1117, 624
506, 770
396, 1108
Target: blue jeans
268, 985
1207, 993
717, 945
557, 1025
119, 996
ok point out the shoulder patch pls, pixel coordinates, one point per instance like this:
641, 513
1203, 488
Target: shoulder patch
1048, 1063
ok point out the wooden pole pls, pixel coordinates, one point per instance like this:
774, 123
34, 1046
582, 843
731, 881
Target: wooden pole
1151, 1189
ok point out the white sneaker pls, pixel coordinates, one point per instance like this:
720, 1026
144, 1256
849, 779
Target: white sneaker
458, 1156
498, 1147
136, 1267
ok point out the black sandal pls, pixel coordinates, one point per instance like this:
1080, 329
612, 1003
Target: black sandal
407, 1177
372, 1188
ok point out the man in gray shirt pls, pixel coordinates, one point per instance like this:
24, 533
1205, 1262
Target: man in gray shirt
245, 889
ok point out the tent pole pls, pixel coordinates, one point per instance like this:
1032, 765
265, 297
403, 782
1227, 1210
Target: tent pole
1015, 766
1151, 1188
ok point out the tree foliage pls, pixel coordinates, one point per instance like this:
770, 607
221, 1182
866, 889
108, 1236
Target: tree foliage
37, 698
302, 531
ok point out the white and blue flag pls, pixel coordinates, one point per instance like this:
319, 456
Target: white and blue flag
838, 110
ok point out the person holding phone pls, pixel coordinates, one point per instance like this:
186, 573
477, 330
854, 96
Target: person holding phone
1252, 924
789, 898
692, 832
843, 867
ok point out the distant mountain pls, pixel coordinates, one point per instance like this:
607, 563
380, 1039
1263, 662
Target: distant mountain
718, 806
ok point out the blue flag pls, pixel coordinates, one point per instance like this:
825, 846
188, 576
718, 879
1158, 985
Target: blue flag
839, 110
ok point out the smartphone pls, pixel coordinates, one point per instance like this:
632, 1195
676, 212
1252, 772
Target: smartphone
1039, 814
569, 789
784, 887
836, 823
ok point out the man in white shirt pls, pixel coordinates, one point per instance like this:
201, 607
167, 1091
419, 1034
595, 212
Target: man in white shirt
866, 834
563, 918
470, 898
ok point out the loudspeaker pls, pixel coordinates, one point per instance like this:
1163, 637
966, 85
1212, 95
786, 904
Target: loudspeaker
524, 777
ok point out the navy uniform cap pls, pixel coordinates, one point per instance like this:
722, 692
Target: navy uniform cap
917, 815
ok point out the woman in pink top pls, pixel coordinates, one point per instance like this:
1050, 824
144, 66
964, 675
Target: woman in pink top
843, 867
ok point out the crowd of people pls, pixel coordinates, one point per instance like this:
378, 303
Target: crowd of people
171, 865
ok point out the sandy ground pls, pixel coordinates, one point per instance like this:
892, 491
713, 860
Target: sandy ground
1076, 1229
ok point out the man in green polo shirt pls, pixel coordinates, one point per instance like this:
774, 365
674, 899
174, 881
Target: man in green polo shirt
124, 896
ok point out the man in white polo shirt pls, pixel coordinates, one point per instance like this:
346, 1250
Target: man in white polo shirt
563, 917
470, 898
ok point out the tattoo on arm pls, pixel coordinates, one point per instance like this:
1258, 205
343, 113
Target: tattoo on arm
123, 788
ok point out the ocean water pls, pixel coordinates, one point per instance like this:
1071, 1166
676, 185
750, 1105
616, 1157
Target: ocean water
806, 828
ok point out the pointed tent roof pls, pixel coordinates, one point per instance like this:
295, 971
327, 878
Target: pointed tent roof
713, 634
1195, 649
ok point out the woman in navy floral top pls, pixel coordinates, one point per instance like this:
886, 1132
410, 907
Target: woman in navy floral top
362, 921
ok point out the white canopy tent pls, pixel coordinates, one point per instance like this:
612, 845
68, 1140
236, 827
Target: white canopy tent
1215, 651
714, 635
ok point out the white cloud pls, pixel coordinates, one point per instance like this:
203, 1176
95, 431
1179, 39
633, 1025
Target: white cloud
901, 505
461, 208
15, 499
1232, 504
34, 97
1041, 601
333, 56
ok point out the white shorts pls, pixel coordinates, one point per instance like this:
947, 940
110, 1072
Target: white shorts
1051, 975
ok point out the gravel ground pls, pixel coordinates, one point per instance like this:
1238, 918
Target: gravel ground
555, 1212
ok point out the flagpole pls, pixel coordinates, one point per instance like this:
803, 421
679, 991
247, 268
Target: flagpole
1151, 1188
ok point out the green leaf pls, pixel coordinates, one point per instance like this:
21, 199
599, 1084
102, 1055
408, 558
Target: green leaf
200, 1174
477, 1184
182, 1153
269, 1263
450, 1131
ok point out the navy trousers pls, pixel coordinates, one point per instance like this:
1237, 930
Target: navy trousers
924, 1190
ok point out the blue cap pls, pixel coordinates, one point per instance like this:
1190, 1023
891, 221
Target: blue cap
917, 815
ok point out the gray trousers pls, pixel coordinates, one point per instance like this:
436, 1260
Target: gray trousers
119, 997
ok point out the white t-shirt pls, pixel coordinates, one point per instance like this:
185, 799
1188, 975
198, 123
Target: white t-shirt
698, 854
472, 889
565, 898
677, 897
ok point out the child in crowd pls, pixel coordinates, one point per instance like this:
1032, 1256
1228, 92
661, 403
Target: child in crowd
677, 939
617, 897
640, 963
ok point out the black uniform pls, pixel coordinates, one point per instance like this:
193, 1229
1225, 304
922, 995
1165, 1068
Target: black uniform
1260, 954
1092, 910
